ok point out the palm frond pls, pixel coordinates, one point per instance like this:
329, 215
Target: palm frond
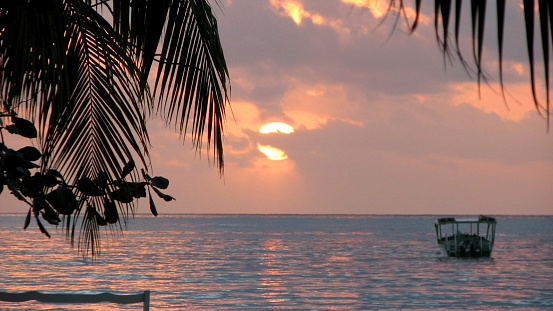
546, 19
102, 126
500, 30
106, 112
32, 58
82, 87
191, 84
478, 18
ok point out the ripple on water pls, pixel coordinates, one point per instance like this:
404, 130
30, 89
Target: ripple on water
233, 263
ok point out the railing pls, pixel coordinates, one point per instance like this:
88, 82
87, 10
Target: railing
143, 297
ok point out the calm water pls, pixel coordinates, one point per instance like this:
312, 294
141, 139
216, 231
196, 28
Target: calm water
254, 262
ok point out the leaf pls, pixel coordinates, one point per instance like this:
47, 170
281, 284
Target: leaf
24, 127
30, 187
26, 165
122, 196
12, 129
528, 6
50, 213
41, 227
15, 191
102, 180
54, 173
129, 167
152, 205
27, 220
500, 31
146, 176
63, 200
13, 160
88, 187
30, 153
110, 211
92, 214
46, 180
100, 220
164, 196
129, 190
52, 221
46, 210
23, 171
160, 182
544, 23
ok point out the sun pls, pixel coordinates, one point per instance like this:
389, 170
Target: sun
272, 153
276, 127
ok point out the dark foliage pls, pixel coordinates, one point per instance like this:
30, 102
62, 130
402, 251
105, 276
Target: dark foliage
50, 197
74, 77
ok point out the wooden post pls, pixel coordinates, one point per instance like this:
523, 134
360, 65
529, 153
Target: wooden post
146, 300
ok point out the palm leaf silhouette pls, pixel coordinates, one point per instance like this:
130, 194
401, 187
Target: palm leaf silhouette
442, 17
84, 82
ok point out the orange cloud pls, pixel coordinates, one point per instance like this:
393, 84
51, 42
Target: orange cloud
379, 8
295, 10
245, 116
518, 104
312, 106
291, 8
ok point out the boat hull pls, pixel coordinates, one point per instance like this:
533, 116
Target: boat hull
465, 246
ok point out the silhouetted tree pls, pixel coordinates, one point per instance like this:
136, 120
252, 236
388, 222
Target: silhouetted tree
82, 77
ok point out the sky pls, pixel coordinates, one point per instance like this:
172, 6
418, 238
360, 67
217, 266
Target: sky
382, 123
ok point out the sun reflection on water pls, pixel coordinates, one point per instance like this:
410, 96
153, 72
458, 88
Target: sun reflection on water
278, 263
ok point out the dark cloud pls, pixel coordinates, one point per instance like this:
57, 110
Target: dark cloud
277, 47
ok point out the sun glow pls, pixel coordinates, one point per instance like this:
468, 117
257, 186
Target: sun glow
380, 8
276, 127
291, 8
272, 153
377, 8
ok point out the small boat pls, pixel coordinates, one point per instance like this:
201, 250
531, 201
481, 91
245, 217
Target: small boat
466, 237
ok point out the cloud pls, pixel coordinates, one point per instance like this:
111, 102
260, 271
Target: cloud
311, 106
383, 124
377, 8
490, 100
296, 11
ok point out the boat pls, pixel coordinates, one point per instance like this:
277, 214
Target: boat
466, 237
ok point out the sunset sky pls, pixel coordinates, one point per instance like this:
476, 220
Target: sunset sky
381, 124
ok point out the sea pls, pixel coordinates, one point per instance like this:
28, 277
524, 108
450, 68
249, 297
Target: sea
283, 262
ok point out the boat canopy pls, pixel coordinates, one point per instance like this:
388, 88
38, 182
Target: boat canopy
482, 218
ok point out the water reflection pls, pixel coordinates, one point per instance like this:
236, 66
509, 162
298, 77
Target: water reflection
274, 263
272, 289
